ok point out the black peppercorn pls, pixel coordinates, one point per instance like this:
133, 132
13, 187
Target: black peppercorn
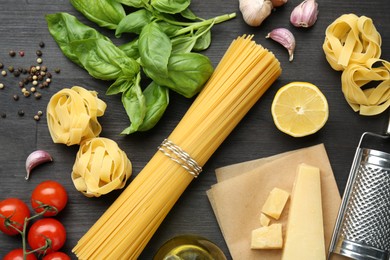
3, 115
38, 53
1, 65
21, 112
16, 73
57, 70
16, 97
12, 53
41, 44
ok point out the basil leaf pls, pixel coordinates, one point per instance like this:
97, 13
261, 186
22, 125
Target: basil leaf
203, 41
156, 100
188, 72
183, 44
103, 60
120, 85
188, 14
105, 13
131, 49
168, 29
134, 103
154, 48
134, 22
134, 3
170, 6
65, 28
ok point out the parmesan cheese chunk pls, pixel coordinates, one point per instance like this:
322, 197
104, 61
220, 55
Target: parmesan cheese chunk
264, 220
305, 230
275, 203
268, 237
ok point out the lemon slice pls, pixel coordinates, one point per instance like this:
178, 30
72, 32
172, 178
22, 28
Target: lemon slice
299, 109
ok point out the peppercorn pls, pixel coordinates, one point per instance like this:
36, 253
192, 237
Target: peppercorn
26, 93
12, 53
1, 86
44, 68
16, 73
39, 113
20, 112
1, 65
57, 70
36, 118
11, 68
37, 95
41, 44
33, 89
38, 53
3, 115
48, 80
39, 60
4, 73
16, 97
21, 53
21, 84
48, 74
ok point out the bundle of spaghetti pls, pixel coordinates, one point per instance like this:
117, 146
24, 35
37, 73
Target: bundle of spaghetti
244, 73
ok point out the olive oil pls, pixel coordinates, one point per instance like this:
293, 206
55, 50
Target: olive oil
189, 247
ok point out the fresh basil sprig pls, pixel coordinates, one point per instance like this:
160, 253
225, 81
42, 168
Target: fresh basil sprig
162, 49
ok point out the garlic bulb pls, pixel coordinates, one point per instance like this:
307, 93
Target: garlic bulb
255, 12
305, 14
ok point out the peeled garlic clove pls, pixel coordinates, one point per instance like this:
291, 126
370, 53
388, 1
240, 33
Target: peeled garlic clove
285, 38
36, 158
255, 12
305, 14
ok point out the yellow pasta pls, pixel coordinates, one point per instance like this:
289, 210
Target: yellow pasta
72, 115
245, 72
351, 39
368, 100
100, 167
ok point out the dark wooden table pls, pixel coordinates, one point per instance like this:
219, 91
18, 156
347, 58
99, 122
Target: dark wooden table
22, 28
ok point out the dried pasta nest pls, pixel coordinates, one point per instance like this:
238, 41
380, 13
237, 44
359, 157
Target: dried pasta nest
72, 115
351, 39
353, 45
100, 167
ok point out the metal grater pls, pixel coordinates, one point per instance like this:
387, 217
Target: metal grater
362, 229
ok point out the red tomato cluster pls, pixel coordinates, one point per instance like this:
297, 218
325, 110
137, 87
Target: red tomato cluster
46, 235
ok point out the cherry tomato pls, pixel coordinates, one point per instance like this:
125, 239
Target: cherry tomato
13, 211
17, 254
51, 195
46, 231
56, 256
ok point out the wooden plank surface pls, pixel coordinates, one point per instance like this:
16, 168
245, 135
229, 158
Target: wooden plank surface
22, 28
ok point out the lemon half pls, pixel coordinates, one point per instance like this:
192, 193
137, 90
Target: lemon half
299, 109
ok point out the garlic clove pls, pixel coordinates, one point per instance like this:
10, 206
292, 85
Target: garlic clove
305, 14
254, 12
36, 158
285, 38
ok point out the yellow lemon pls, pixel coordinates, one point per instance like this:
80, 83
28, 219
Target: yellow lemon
299, 109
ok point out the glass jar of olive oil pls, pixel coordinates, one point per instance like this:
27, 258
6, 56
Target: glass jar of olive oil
189, 247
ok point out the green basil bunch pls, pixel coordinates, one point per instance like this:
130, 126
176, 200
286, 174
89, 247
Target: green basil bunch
162, 49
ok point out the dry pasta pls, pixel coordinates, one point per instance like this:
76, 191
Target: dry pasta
100, 167
244, 73
367, 100
353, 45
72, 115
351, 39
